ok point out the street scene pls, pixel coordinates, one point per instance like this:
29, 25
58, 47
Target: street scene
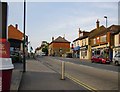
59, 46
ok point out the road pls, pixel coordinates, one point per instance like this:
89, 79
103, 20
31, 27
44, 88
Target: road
90, 75
110, 67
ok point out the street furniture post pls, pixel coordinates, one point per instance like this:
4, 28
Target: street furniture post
62, 70
24, 59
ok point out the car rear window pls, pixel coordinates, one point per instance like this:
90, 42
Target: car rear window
117, 55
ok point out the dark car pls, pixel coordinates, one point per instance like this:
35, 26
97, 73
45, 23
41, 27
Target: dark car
68, 55
16, 57
100, 59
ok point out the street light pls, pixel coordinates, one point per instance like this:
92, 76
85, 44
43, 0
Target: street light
24, 59
106, 20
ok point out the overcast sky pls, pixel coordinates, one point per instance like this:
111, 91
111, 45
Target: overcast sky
45, 20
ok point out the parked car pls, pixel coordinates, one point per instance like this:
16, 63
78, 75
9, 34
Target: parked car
116, 59
100, 59
16, 57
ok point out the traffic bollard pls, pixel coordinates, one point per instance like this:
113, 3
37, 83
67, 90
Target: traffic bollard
62, 70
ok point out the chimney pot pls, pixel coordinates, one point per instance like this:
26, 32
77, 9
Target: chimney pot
16, 26
52, 38
97, 23
79, 32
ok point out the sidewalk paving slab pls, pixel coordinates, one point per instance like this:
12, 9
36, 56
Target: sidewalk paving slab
16, 76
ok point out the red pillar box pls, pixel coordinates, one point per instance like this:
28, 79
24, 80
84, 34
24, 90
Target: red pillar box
6, 66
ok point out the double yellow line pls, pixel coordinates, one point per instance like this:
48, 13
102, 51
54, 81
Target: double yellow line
81, 83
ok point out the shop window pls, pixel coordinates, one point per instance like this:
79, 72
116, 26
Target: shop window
95, 52
84, 53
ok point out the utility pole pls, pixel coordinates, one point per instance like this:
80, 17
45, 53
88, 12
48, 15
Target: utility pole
24, 57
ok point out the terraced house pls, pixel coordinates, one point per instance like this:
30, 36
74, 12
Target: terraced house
115, 32
81, 45
99, 41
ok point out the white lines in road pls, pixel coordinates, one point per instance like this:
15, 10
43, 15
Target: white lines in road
81, 83
74, 79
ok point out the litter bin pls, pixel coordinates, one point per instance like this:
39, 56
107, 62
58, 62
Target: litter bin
6, 68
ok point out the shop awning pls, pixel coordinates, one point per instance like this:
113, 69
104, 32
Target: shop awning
76, 48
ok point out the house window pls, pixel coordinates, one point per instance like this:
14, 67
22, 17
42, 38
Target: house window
85, 42
81, 34
78, 43
103, 38
94, 41
82, 43
98, 39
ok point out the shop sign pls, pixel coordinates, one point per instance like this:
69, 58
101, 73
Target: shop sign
4, 49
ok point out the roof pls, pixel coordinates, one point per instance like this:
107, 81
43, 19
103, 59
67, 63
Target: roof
82, 37
14, 33
60, 39
98, 31
114, 29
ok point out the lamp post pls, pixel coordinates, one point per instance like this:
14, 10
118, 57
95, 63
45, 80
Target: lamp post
106, 36
106, 20
24, 58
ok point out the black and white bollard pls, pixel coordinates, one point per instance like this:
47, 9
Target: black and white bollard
62, 70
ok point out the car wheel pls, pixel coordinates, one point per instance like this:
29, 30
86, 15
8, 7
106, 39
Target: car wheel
100, 62
116, 63
92, 61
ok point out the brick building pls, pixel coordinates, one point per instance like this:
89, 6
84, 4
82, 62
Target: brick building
100, 41
115, 34
59, 46
15, 37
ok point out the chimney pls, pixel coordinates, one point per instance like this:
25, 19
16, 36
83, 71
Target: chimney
16, 26
52, 38
64, 36
97, 23
79, 32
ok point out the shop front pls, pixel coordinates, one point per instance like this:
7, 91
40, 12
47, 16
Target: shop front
85, 52
76, 52
103, 50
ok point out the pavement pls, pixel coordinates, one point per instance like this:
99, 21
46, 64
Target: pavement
40, 77
16, 76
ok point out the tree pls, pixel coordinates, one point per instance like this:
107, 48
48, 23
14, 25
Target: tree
45, 50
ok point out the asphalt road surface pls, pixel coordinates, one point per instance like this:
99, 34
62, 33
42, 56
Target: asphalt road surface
94, 76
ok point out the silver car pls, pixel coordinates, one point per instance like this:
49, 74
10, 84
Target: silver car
116, 59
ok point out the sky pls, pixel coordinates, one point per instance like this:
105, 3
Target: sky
45, 20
